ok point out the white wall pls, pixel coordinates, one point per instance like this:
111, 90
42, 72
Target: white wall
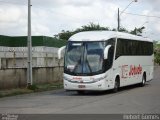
16, 57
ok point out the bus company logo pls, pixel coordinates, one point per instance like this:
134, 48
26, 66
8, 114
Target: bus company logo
134, 70
77, 78
124, 71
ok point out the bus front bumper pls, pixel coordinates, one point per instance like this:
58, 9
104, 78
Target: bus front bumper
98, 86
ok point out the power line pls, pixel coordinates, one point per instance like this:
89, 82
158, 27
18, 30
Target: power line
142, 15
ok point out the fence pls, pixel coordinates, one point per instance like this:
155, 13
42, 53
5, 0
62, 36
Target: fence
21, 41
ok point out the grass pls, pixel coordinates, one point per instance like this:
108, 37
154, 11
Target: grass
31, 89
12, 92
46, 87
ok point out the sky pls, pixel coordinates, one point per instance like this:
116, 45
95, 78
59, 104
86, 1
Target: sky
50, 17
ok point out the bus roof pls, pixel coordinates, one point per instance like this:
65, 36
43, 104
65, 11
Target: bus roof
104, 35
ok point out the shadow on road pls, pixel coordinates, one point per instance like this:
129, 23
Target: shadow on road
99, 93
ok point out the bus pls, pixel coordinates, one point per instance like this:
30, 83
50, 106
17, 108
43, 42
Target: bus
104, 60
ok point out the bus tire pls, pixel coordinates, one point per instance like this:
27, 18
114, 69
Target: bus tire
116, 85
143, 80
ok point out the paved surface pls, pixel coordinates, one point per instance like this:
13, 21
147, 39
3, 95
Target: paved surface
132, 99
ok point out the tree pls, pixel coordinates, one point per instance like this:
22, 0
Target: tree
138, 31
122, 29
93, 26
90, 27
157, 53
65, 35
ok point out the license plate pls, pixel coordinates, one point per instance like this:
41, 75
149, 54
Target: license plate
81, 86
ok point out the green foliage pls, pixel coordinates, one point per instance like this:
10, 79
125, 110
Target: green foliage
157, 53
65, 35
92, 27
13, 92
123, 30
137, 31
32, 87
45, 87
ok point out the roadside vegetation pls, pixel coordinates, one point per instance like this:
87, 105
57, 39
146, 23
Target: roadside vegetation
30, 89
157, 53
65, 35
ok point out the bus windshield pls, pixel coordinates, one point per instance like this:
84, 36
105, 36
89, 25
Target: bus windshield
84, 58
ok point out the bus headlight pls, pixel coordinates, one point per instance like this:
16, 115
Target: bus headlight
99, 79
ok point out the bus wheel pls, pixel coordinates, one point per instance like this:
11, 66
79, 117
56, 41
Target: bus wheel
80, 92
143, 80
116, 85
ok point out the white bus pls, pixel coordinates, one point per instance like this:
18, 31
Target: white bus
103, 60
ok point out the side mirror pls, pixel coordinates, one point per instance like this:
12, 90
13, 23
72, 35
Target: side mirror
60, 50
106, 51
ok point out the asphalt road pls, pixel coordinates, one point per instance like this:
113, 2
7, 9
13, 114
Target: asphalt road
133, 99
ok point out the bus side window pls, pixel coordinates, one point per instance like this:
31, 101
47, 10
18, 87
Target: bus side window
108, 62
110, 56
118, 49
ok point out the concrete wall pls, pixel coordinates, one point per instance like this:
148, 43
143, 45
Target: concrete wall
17, 77
13, 66
16, 57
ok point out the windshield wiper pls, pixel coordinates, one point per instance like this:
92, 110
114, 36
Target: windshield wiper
89, 65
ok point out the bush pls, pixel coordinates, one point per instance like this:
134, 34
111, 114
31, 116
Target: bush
157, 55
157, 59
32, 87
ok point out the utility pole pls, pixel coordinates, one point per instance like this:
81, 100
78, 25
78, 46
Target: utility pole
118, 20
119, 14
29, 42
